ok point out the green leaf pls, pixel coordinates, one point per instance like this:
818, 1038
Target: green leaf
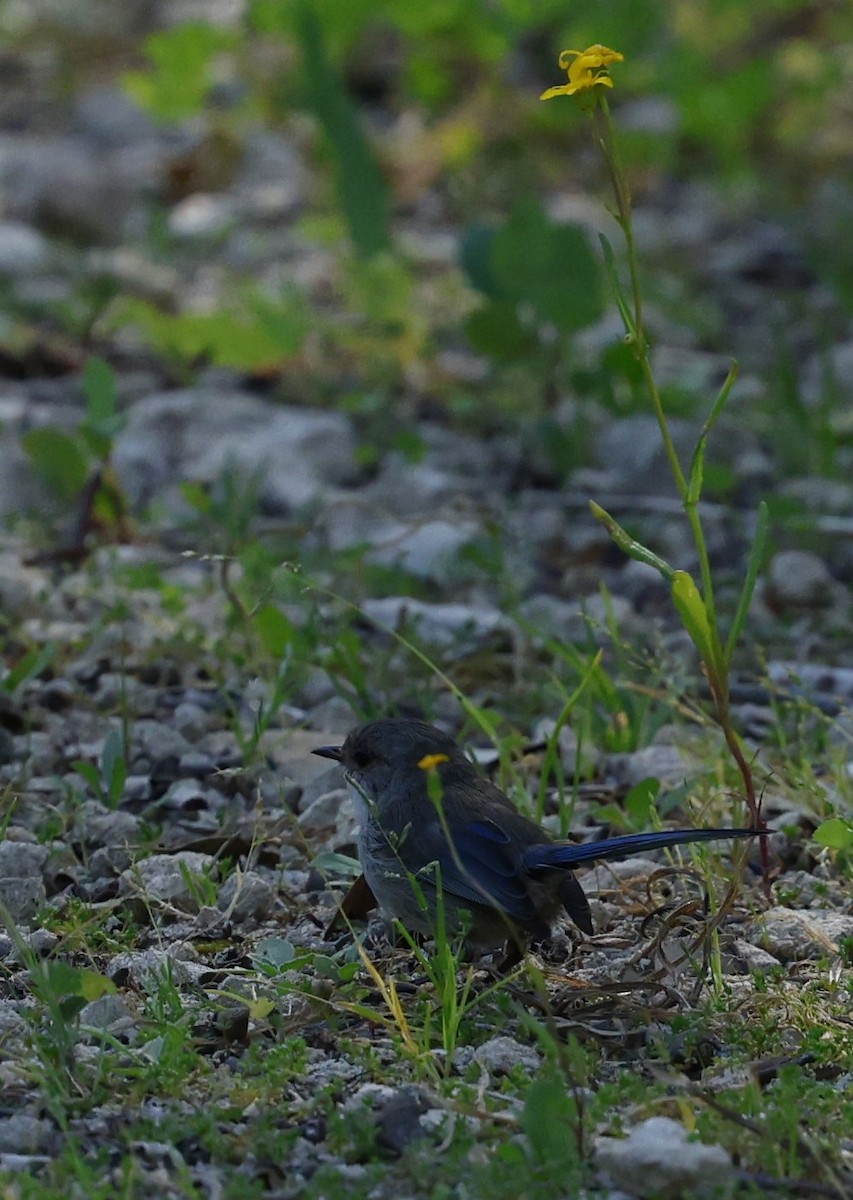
89, 772
835, 834
267, 332
550, 266
58, 459
65, 980
495, 329
113, 766
547, 1120
753, 566
29, 667
180, 77
102, 422
640, 802
275, 630
616, 287
275, 951
361, 186
475, 259
198, 497
332, 865
697, 466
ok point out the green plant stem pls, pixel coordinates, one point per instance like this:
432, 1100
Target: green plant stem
717, 659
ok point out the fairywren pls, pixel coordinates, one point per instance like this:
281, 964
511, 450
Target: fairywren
429, 821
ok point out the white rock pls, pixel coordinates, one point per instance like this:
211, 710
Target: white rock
656, 1159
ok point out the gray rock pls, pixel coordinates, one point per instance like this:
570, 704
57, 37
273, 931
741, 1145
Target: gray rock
63, 184
666, 763
743, 958
427, 549
798, 579
146, 969
106, 828
271, 177
198, 433
20, 859
22, 896
154, 741
22, 250
162, 878
656, 1159
247, 896
631, 453
501, 1055
439, 624
606, 877
793, 934
322, 812
201, 216
191, 720
106, 1013
23, 1134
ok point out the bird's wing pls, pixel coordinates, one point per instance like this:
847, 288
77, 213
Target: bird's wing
482, 867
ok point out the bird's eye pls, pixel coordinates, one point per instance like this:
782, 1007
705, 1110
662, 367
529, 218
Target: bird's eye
361, 758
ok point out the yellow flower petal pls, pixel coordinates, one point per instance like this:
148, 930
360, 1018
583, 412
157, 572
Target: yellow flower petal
585, 69
432, 760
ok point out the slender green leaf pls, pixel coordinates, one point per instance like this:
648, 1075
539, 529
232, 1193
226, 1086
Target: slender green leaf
616, 287
753, 566
361, 186
697, 466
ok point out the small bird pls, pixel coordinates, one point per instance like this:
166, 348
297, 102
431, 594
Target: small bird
428, 820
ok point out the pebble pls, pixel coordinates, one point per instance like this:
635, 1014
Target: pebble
656, 1159
798, 579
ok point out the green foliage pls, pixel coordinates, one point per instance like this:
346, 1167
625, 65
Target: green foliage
551, 1124
255, 332
107, 779
361, 187
64, 460
180, 77
835, 834
529, 262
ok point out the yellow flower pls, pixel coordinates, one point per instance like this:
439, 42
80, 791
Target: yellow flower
586, 69
432, 760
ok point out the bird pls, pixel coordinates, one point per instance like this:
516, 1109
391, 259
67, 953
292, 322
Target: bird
430, 823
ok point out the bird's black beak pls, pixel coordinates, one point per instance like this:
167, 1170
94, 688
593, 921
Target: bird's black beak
333, 752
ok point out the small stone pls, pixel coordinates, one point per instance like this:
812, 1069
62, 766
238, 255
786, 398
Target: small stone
106, 1012
167, 878
22, 897
247, 896
665, 763
439, 624
501, 1055
23, 251
794, 934
426, 549
147, 969
657, 1160
323, 812
743, 958
798, 579
20, 859
23, 1134
191, 720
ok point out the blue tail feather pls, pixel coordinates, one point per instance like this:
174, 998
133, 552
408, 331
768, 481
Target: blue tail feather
566, 854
